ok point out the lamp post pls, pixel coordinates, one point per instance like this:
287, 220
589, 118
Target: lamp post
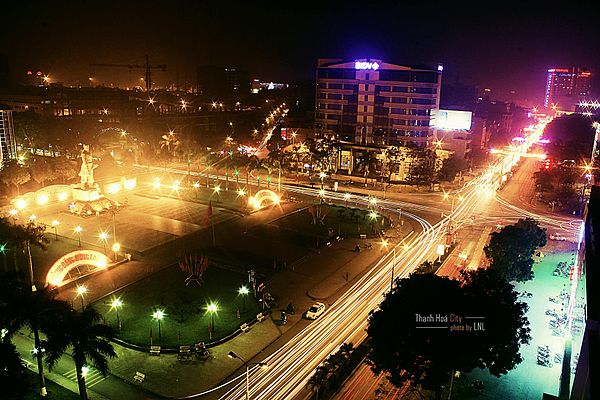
158, 315
81, 291
116, 304
243, 291
78, 230
55, 224
115, 248
103, 236
247, 365
322, 175
212, 309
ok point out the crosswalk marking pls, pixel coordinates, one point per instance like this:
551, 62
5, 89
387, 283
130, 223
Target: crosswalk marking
92, 378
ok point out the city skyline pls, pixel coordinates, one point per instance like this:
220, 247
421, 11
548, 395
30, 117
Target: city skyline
275, 43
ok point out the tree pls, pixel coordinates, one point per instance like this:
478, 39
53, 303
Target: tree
423, 169
393, 156
64, 169
28, 129
451, 166
41, 170
80, 331
319, 379
14, 380
404, 348
427, 267
511, 249
21, 307
24, 236
544, 180
505, 320
14, 174
406, 353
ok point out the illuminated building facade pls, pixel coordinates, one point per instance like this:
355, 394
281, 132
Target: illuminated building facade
372, 102
8, 142
565, 87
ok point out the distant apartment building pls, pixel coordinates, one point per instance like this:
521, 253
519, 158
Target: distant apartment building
106, 104
566, 87
373, 102
8, 142
453, 132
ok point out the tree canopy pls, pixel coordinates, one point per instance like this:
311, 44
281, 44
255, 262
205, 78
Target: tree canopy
511, 250
409, 349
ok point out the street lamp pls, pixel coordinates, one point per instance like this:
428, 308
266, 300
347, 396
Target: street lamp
158, 315
243, 291
116, 304
55, 224
81, 291
115, 248
322, 175
260, 364
78, 229
103, 236
212, 309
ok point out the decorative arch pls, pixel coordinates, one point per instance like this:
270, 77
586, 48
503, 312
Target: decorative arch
74, 260
262, 198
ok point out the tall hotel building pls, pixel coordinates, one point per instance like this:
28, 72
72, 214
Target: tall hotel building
8, 143
371, 102
566, 87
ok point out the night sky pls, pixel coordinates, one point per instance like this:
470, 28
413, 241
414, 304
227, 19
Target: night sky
506, 48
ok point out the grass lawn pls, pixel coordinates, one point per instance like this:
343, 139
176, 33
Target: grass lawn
332, 220
55, 391
186, 320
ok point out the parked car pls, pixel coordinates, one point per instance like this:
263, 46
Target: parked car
315, 311
557, 236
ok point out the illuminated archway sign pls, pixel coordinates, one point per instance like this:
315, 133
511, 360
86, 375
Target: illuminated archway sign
263, 197
70, 261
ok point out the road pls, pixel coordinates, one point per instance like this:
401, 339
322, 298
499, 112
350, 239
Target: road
291, 366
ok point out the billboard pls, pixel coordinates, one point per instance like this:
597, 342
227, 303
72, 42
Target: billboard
453, 120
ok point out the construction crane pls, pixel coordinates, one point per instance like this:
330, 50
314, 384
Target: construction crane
146, 66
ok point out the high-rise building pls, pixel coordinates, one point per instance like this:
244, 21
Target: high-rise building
8, 142
372, 102
566, 87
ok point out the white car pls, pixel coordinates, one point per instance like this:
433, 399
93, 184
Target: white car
315, 311
557, 236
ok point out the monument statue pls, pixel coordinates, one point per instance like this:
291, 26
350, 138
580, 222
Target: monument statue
87, 169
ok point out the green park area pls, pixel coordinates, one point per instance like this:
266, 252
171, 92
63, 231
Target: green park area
330, 221
55, 391
183, 310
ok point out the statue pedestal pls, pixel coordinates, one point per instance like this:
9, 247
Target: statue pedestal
85, 195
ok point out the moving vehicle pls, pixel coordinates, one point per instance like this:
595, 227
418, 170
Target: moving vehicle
557, 236
315, 311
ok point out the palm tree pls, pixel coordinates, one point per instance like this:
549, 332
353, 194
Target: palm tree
318, 380
25, 236
88, 339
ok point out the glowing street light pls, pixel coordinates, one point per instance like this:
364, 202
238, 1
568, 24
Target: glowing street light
247, 365
115, 248
78, 230
81, 291
241, 193
156, 183
32, 218
55, 224
212, 309
243, 291
158, 315
103, 236
115, 305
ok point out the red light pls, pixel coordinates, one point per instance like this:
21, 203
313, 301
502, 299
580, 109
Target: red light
29, 73
39, 73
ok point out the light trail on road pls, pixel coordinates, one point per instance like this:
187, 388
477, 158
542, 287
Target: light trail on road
290, 367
